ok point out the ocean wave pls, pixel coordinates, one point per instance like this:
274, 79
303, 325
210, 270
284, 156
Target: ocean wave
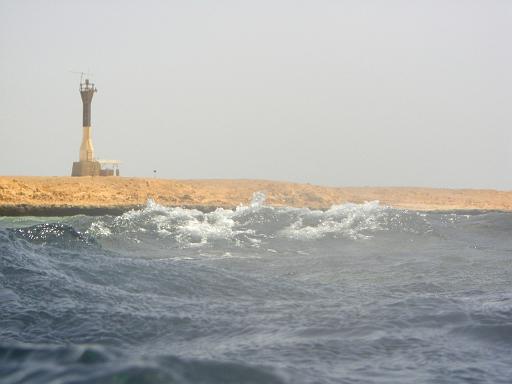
257, 294
355, 221
249, 225
29, 363
51, 233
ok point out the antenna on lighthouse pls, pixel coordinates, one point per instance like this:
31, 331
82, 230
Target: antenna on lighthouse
82, 74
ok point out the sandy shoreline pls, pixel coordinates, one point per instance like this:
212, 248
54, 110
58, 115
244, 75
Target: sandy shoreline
31, 195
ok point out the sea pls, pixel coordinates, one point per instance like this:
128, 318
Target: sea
358, 293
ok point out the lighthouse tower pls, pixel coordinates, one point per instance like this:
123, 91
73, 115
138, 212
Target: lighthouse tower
87, 165
87, 91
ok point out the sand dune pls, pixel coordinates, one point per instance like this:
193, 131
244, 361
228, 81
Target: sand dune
123, 192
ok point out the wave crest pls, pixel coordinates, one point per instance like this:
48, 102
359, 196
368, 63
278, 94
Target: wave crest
355, 221
249, 225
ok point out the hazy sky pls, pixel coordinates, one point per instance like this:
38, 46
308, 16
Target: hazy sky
327, 92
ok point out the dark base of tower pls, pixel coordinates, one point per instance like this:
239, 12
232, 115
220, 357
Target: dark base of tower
86, 168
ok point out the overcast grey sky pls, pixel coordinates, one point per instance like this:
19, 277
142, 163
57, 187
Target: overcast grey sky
411, 93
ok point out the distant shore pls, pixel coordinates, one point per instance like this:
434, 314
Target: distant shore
61, 196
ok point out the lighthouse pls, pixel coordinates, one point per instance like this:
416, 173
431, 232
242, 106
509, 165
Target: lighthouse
87, 165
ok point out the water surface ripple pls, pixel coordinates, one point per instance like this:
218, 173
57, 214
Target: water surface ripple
359, 293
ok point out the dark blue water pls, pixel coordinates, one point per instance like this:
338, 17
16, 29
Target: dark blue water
356, 294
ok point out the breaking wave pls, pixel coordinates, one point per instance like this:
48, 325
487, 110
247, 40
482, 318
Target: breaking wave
249, 225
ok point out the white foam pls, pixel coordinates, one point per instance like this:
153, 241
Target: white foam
99, 229
245, 226
258, 199
349, 220
215, 225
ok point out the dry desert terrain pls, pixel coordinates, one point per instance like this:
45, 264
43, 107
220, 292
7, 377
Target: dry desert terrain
110, 192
